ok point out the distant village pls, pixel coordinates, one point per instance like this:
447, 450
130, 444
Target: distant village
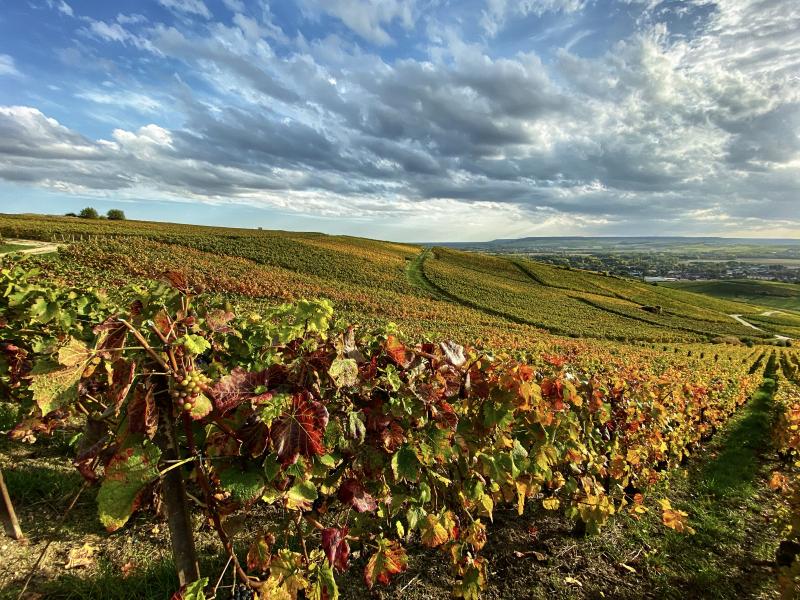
655, 267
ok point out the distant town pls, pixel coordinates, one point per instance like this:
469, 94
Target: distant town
657, 259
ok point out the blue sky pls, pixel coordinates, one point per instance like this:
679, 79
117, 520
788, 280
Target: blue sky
412, 120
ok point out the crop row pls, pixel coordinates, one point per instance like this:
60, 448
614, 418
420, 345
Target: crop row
368, 440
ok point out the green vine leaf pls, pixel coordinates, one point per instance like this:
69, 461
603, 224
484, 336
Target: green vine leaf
54, 388
344, 372
128, 473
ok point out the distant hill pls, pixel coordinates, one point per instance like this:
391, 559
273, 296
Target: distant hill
768, 293
442, 292
749, 246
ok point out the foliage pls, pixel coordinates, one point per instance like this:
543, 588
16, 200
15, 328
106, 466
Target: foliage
786, 480
115, 214
424, 440
89, 213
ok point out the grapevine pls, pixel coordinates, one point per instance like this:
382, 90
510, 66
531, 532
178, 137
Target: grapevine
365, 441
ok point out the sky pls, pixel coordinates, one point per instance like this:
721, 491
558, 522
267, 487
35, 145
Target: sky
411, 120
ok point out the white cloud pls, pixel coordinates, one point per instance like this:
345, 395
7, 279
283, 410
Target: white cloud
498, 12
7, 66
367, 18
122, 99
236, 6
65, 8
132, 19
61, 7
696, 133
188, 7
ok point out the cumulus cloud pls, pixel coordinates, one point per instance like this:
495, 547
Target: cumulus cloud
661, 133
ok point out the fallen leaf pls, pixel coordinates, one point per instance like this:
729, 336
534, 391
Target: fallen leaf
80, 557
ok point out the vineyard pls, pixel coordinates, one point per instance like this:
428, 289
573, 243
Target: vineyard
281, 415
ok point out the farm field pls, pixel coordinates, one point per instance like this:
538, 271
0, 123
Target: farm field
766, 293
442, 292
336, 417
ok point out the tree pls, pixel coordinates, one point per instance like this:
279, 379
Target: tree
88, 213
115, 214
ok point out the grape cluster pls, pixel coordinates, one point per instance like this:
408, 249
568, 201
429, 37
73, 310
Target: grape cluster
242, 592
188, 389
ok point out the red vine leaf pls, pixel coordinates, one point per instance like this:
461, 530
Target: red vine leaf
112, 335
217, 320
238, 387
300, 431
353, 493
334, 543
398, 352
142, 412
177, 280
121, 379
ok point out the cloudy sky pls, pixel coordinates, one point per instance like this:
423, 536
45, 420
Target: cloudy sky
419, 120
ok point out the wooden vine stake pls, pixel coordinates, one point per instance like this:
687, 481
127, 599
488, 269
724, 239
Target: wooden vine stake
174, 490
7, 513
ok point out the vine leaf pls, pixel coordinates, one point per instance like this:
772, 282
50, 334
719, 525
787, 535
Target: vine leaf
111, 336
300, 431
675, 519
390, 559
122, 373
344, 372
202, 406
301, 496
398, 352
245, 486
53, 387
334, 543
436, 530
353, 493
240, 386
142, 412
453, 352
287, 570
74, 353
473, 579
405, 464
194, 344
127, 475
259, 554
324, 586
192, 591
217, 320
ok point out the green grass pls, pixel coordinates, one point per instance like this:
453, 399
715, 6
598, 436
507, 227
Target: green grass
726, 496
6, 248
772, 294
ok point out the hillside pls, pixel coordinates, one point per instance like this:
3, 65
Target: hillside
585, 416
767, 293
437, 292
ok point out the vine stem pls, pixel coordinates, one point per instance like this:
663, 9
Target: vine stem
211, 506
140, 338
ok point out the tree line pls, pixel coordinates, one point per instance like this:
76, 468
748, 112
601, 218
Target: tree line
114, 214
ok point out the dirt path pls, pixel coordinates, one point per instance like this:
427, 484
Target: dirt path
766, 314
32, 246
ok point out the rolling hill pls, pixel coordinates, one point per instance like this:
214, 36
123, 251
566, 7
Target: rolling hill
427, 291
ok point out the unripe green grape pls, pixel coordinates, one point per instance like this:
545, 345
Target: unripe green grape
187, 407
